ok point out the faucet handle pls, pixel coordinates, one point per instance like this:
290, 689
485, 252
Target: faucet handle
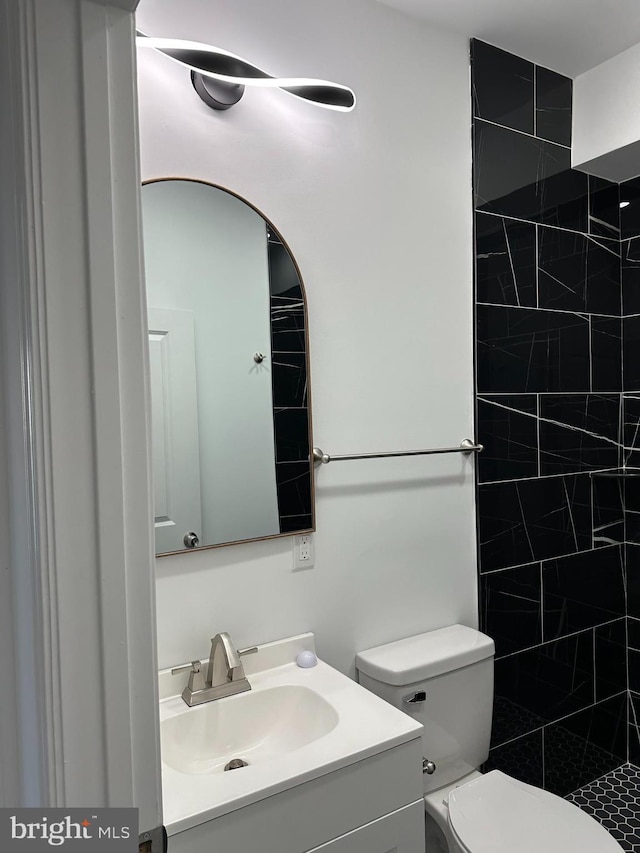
196, 678
194, 666
250, 651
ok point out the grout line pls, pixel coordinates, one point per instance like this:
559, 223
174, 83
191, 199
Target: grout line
537, 251
559, 720
582, 315
524, 133
535, 102
594, 237
595, 674
538, 414
542, 631
563, 637
548, 476
557, 557
556, 393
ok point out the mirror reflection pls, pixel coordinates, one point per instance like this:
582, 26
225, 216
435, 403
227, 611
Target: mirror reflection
229, 378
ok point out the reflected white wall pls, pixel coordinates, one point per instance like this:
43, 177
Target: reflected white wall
206, 252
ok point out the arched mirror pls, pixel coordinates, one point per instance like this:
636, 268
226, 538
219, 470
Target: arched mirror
231, 419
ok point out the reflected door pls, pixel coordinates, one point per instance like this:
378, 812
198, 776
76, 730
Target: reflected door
174, 413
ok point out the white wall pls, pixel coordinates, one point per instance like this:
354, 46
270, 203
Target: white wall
376, 207
606, 118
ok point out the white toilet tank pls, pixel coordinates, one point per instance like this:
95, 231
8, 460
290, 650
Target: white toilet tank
444, 679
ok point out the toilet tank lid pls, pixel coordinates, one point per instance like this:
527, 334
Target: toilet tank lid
425, 655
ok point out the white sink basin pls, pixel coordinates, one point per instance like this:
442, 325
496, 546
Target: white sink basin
254, 726
293, 726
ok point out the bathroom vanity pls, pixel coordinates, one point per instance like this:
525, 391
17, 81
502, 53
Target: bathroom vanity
329, 766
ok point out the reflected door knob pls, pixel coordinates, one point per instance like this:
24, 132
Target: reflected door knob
191, 540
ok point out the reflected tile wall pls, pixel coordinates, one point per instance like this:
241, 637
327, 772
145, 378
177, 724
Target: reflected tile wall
289, 389
553, 281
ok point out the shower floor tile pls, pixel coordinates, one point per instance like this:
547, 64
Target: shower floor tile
614, 800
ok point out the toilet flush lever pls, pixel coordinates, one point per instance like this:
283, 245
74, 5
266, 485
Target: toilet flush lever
428, 767
415, 698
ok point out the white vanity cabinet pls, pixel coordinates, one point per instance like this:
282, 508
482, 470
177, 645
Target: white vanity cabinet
327, 765
372, 806
400, 832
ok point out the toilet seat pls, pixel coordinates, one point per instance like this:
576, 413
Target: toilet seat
498, 814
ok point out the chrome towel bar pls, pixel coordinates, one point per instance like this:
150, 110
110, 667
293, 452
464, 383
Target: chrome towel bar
465, 446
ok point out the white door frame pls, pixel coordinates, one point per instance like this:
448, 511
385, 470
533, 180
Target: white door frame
78, 641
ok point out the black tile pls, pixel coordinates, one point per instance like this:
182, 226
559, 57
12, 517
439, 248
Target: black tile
634, 728
529, 520
611, 659
510, 608
523, 350
634, 670
521, 759
585, 746
293, 483
508, 431
612, 800
631, 364
632, 527
632, 494
631, 433
502, 87
583, 590
578, 273
604, 208
631, 276
606, 354
630, 213
526, 178
289, 376
295, 523
632, 561
291, 428
553, 106
579, 432
284, 280
287, 324
511, 720
505, 261
608, 511
549, 681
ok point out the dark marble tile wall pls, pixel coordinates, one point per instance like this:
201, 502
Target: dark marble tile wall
290, 392
550, 269
630, 254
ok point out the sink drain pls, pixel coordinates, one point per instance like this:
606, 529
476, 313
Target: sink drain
236, 764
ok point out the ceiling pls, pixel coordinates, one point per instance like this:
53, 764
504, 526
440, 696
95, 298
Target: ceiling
568, 36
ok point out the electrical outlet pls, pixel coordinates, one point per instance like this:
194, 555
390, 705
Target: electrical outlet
303, 551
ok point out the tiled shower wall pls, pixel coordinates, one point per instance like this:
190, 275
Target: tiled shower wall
630, 227
550, 271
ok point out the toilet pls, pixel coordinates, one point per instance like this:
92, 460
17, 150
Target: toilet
444, 679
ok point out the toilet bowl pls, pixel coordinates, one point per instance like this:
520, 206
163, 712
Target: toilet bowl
444, 679
495, 813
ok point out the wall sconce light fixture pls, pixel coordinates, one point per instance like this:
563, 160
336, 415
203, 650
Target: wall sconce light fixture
220, 77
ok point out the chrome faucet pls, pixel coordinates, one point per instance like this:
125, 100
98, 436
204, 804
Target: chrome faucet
225, 673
